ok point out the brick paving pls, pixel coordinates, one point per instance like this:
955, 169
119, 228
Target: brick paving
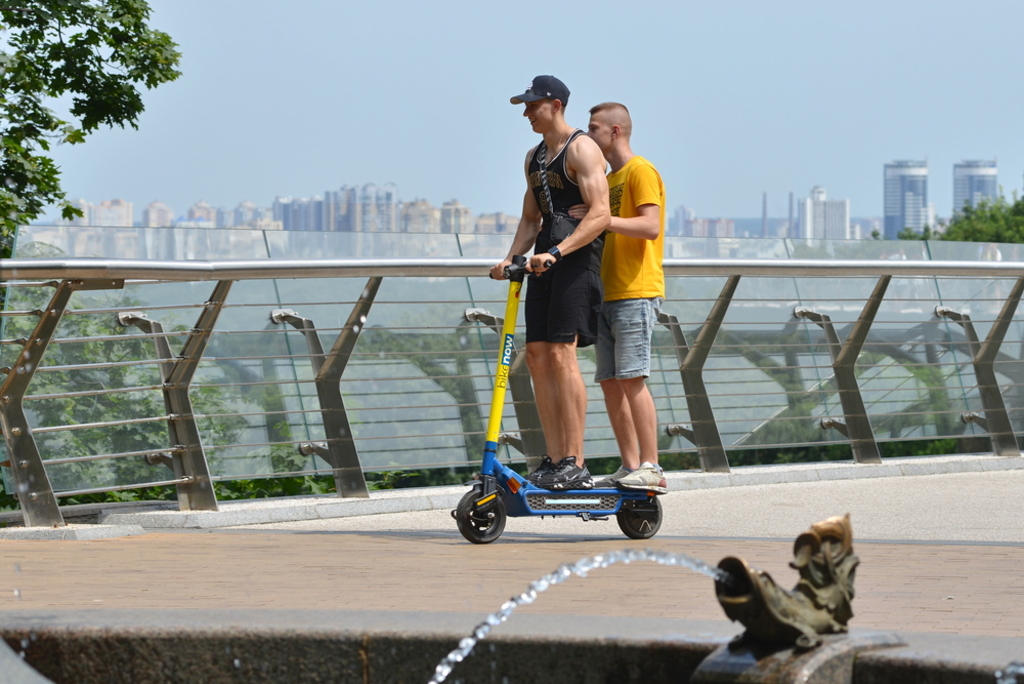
958, 588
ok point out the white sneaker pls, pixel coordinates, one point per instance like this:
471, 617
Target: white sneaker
648, 476
613, 479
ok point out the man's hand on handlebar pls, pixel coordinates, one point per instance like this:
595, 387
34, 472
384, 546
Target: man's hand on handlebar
498, 270
539, 263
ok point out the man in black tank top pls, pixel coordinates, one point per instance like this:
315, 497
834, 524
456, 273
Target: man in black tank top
562, 304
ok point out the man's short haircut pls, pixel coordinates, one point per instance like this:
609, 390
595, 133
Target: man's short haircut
615, 114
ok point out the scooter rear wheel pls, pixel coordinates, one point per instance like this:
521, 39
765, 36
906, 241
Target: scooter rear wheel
480, 527
640, 519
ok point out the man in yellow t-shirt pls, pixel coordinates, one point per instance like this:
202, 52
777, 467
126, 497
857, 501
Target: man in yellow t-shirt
634, 290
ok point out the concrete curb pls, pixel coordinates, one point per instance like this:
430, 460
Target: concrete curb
291, 509
842, 470
74, 532
256, 512
118, 520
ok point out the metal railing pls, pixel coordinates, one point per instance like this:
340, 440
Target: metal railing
130, 373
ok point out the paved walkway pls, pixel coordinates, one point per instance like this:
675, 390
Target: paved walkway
939, 553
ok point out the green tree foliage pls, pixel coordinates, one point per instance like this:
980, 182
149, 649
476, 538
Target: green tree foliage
998, 221
89, 55
911, 234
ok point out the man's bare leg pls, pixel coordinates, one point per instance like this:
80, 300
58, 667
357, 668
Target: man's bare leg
545, 393
621, 419
572, 394
561, 397
645, 417
634, 420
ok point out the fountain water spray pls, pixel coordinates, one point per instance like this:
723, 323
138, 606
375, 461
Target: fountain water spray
580, 568
1010, 674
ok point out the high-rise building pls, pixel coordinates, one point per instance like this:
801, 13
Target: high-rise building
202, 211
764, 214
244, 213
719, 228
305, 214
225, 217
974, 181
680, 217
341, 210
115, 212
499, 222
367, 208
387, 207
367, 200
906, 197
419, 216
157, 215
823, 219
456, 218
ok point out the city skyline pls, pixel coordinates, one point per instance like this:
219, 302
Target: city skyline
276, 99
373, 208
415, 216
365, 208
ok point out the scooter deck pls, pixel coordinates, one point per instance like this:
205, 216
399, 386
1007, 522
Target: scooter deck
596, 502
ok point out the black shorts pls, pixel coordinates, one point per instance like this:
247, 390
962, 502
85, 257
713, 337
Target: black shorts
562, 305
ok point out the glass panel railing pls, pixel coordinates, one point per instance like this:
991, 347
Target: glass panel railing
299, 245
894, 250
139, 243
417, 387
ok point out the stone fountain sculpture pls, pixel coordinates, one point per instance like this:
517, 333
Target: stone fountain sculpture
798, 635
820, 603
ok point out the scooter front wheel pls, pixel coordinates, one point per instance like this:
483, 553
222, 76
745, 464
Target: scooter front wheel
640, 519
483, 525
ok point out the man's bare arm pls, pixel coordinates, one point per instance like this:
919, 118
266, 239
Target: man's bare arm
646, 226
527, 230
584, 157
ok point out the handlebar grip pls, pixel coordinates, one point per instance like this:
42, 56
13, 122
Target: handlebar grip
517, 269
511, 270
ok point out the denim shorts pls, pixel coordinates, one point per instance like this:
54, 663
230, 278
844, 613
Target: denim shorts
624, 331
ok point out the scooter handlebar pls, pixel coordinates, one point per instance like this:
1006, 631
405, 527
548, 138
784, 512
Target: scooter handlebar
517, 269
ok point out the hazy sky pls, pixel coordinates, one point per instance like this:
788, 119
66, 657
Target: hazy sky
729, 98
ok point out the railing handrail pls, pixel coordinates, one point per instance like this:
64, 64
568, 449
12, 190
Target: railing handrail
256, 269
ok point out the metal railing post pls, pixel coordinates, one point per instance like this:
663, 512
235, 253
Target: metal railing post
339, 449
996, 420
856, 425
39, 506
704, 428
531, 441
197, 493
173, 458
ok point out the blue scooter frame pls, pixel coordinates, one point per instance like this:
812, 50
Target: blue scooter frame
501, 492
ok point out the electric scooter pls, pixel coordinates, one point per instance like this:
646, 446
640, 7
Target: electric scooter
500, 492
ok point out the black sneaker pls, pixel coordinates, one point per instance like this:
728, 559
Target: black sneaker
542, 470
565, 475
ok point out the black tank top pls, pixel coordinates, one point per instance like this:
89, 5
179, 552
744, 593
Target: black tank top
565, 193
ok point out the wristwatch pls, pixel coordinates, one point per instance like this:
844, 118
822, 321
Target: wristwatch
555, 252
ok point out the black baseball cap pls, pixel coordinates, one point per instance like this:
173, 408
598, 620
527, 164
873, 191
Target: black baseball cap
544, 88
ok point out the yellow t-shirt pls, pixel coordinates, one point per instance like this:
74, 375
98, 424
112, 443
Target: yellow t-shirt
631, 267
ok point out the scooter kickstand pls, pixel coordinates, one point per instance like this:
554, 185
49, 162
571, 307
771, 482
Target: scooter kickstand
587, 517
